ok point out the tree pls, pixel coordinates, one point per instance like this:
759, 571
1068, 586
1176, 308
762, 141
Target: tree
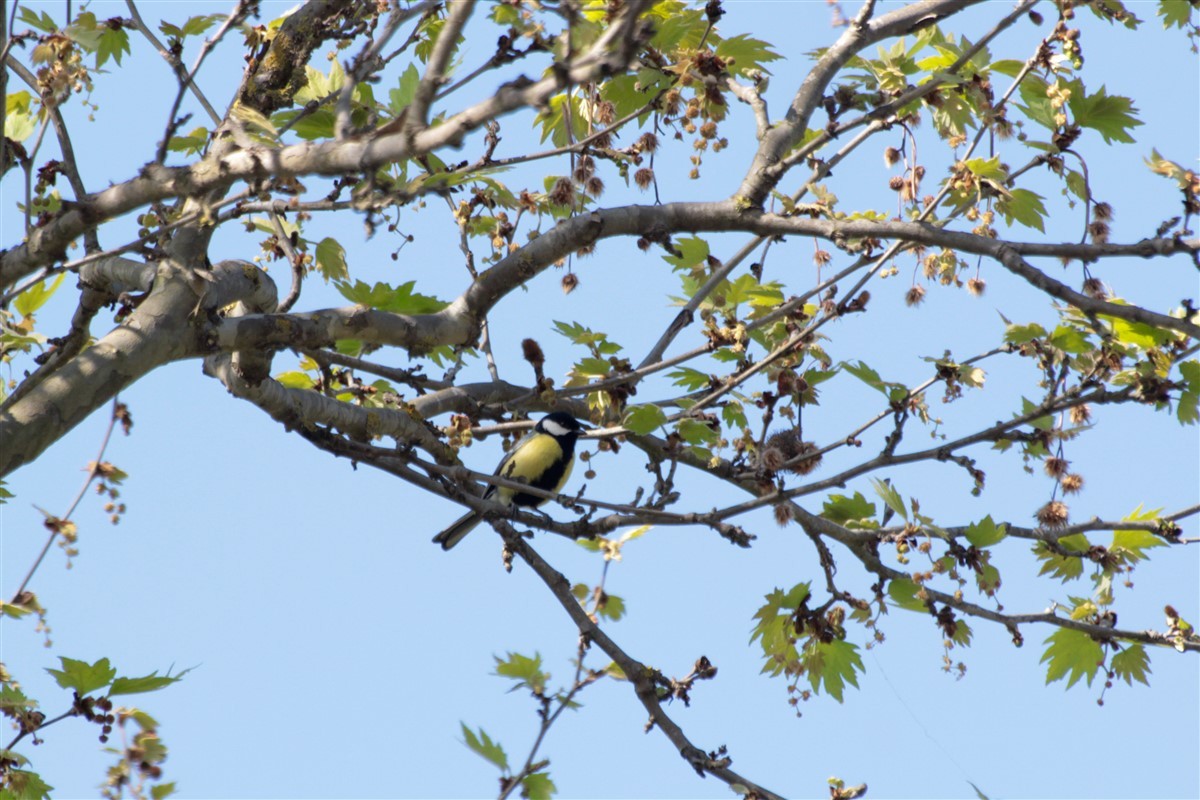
830, 374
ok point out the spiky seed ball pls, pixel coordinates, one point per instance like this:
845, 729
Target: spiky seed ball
1053, 514
1072, 483
1055, 467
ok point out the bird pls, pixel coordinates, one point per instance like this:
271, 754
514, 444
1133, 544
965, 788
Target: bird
543, 458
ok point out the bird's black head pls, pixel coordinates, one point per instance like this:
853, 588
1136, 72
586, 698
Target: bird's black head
560, 425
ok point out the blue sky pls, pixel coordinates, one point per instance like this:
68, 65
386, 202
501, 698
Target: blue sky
335, 650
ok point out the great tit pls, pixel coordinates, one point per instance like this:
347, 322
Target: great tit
543, 459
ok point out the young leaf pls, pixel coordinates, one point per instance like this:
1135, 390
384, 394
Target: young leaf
853, 512
903, 593
644, 419
1187, 410
82, 676
1111, 115
833, 664
36, 296
889, 495
986, 532
1132, 664
524, 670
1074, 654
484, 746
147, 683
331, 259
538, 786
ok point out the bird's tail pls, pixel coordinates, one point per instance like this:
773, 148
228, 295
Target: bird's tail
461, 527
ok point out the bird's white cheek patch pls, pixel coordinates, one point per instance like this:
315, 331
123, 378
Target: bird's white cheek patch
554, 429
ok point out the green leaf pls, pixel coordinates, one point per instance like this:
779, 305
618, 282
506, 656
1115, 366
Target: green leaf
692, 250
1025, 207
1188, 408
538, 786
989, 168
860, 370
147, 683
774, 631
331, 259
903, 593
162, 790
1113, 116
612, 608
690, 379
22, 784
593, 367
398, 300
1132, 664
986, 532
191, 144
19, 120
644, 419
746, 54
42, 21
114, 43
524, 670
890, 496
402, 96
484, 746
36, 296
295, 379
14, 700
696, 432
1019, 334
1176, 13
852, 512
82, 676
832, 664
1130, 545
1065, 568
1072, 654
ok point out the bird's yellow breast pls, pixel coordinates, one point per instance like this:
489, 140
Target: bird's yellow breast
535, 463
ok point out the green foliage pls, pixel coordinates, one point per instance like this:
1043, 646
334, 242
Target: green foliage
146, 683
36, 296
1187, 409
774, 630
1112, 115
526, 671
903, 593
986, 532
331, 260
484, 746
538, 786
832, 665
396, 299
894, 392
1065, 568
1024, 207
850, 512
194, 26
890, 496
20, 121
644, 419
82, 676
744, 54
1072, 654
1132, 664
192, 144
24, 785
